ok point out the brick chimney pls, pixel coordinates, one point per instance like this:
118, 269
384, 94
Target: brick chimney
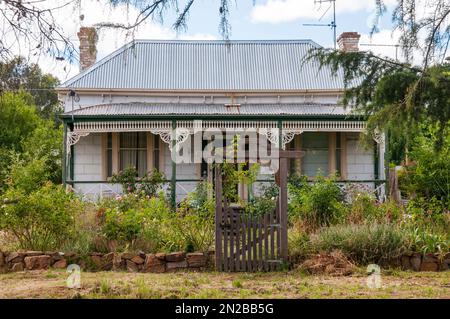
348, 41
88, 50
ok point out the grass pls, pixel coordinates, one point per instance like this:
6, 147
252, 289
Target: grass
293, 284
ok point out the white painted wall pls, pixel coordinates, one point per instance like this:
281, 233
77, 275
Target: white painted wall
360, 161
88, 158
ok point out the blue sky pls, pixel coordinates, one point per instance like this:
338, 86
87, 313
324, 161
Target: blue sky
265, 19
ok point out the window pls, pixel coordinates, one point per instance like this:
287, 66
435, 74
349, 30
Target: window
156, 152
133, 151
315, 159
109, 155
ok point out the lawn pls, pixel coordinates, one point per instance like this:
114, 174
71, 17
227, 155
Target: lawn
293, 284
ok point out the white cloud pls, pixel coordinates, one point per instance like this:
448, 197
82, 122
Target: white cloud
280, 11
382, 44
94, 12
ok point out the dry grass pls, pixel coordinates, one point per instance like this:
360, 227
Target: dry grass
334, 263
294, 284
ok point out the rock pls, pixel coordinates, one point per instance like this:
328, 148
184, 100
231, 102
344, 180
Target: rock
141, 254
446, 262
55, 255
118, 262
176, 257
138, 260
15, 257
161, 256
37, 262
415, 261
132, 267
406, 264
429, 266
2, 259
17, 266
107, 261
171, 266
127, 255
60, 264
32, 253
154, 264
97, 261
430, 258
196, 260
69, 254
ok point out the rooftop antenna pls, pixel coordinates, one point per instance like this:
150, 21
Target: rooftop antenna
332, 24
383, 45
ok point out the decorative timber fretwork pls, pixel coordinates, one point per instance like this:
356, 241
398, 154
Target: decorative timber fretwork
184, 128
73, 138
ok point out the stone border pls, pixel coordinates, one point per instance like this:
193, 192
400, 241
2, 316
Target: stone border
131, 262
162, 262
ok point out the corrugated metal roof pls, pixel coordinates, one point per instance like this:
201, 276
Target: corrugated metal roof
211, 109
209, 65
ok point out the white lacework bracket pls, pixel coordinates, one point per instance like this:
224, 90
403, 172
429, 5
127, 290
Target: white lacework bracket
181, 135
378, 137
73, 138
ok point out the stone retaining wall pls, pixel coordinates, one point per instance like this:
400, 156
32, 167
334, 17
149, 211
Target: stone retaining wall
132, 262
162, 262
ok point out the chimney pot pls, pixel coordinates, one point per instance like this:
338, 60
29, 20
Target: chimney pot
88, 46
348, 41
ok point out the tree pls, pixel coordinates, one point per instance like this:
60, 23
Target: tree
30, 147
18, 74
32, 25
396, 96
156, 9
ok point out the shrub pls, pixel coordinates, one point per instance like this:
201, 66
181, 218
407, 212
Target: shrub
40, 220
366, 243
320, 203
132, 219
192, 228
428, 175
265, 203
149, 185
425, 241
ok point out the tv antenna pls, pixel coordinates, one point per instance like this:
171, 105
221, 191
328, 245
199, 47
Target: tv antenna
383, 45
332, 24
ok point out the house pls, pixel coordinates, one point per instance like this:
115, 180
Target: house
121, 110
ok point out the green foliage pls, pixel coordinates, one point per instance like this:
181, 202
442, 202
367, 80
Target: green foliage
40, 220
429, 175
319, 203
18, 119
29, 145
148, 185
365, 243
426, 241
132, 218
265, 202
17, 74
395, 96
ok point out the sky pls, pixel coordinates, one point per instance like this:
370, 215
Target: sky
250, 19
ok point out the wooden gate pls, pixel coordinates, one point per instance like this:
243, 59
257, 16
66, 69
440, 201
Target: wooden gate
252, 243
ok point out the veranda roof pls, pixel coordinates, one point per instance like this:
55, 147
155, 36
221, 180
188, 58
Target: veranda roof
136, 109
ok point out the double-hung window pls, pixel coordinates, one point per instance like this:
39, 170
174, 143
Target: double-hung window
133, 151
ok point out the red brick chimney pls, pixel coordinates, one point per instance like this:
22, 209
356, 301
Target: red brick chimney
88, 49
348, 41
